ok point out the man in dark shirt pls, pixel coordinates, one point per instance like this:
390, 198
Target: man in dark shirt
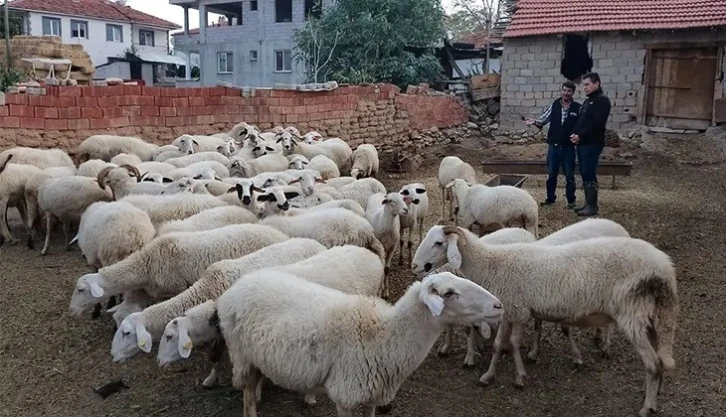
561, 115
589, 136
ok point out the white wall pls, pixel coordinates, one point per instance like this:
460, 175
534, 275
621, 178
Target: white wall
118, 69
96, 45
161, 40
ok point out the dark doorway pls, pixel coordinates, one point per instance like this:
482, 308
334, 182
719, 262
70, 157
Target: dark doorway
135, 70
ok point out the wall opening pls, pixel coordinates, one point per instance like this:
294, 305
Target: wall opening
577, 60
283, 11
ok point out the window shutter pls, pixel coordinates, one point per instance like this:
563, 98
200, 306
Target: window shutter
46, 26
109, 33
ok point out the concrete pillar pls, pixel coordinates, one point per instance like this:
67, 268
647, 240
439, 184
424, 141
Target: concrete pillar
188, 75
186, 20
203, 21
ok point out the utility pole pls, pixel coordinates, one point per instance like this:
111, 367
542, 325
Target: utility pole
7, 34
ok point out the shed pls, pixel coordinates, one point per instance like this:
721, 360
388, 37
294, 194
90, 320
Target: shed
661, 62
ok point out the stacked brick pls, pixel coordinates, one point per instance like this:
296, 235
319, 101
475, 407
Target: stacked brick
64, 116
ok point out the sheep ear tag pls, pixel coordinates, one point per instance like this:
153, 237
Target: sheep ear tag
484, 330
452, 252
96, 290
435, 303
185, 343
143, 338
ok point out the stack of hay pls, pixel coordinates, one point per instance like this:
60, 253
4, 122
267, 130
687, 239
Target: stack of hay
52, 47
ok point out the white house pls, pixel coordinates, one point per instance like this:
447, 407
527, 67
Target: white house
121, 41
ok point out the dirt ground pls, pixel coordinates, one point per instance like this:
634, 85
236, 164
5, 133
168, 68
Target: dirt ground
50, 362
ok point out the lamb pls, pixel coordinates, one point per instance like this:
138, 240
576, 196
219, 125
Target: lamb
589, 283
126, 180
336, 150
165, 148
165, 156
41, 158
241, 130
353, 370
312, 137
266, 148
149, 268
325, 166
266, 163
203, 143
213, 282
361, 190
200, 169
32, 188
209, 219
331, 227
106, 147
110, 232
185, 161
185, 144
365, 162
494, 207
418, 209
164, 208
345, 204
155, 178
126, 159
13, 178
451, 168
382, 213
297, 162
307, 180
156, 167
92, 167
66, 199
349, 269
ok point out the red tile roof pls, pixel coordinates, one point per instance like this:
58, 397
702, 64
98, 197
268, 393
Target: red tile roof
98, 9
540, 17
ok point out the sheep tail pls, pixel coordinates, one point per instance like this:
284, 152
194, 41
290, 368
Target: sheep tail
374, 245
665, 325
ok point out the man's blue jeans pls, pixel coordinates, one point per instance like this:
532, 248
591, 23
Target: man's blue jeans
561, 156
589, 156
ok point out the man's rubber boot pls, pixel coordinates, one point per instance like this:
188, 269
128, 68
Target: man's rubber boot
591, 200
585, 190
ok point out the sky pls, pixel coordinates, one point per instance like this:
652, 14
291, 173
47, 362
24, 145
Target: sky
162, 9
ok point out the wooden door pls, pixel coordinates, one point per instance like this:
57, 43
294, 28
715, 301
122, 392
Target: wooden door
680, 88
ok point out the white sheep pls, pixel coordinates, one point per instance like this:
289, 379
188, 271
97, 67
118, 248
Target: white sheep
106, 147
345, 204
382, 213
92, 167
325, 166
150, 268
203, 143
307, 179
201, 170
588, 283
125, 180
250, 168
155, 178
156, 167
187, 160
13, 178
340, 182
361, 190
297, 162
110, 232
494, 207
213, 282
331, 227
185, 145
209, 219
365, 162
165, 156
312, 137
165, 148
451, 168
266, 148
126, 159
313, 340
41, 158
418, 209
66, 199
164, 208
336, 150
32, 188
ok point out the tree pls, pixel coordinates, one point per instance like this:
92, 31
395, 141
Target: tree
459, 24
482, 12
16, 23
372, 41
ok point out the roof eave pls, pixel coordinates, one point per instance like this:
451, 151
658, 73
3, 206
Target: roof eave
171, 26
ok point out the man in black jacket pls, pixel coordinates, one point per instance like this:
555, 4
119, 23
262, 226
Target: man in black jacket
589, 136
561, 115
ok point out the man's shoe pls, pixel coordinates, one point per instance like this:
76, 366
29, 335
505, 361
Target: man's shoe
571, 205
547, 203
591, 200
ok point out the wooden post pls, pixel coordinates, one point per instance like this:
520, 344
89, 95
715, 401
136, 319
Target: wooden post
7, 34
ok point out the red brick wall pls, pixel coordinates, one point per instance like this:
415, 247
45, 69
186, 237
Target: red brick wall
64, 116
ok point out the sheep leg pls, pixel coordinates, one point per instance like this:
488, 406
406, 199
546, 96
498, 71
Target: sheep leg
49, 222
343, 412
67, 230
532, 355
215, 357
6, 236
499, 342
420, 231
606, 343
515, 339
443, 201
576, 355
400, 248
310, 399
445, 347
470, 348
645, 343
369, 411
252, 379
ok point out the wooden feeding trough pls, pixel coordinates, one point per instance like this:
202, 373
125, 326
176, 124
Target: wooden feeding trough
507, 179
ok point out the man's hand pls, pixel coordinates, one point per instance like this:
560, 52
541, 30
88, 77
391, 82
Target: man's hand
575, 139
529, 121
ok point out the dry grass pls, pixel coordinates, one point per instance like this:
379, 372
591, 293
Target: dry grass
51, 362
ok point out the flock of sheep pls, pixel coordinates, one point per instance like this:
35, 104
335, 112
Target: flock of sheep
276, 247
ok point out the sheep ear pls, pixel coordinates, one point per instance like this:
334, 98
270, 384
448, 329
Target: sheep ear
291, 194
320, 180
385, 201
420, 191
255, 149
259, 190
433, 301
305, 163
195, 142
449, 185
185, 342
295, 181
96, 290
270, 149
452, 251
166, 180
235, 164
143, 338
278, 140
264, 197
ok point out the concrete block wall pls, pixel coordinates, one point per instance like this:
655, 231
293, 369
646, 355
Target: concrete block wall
531, 76
377, 114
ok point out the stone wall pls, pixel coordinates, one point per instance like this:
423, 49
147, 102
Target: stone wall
531, 76
64, 116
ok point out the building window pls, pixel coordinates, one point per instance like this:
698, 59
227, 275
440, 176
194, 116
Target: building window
577, 59
313, 8
114, 33
146, 37
253, 5
253, 55
79, 29
283, 61
51, 26
225, 63
283, 11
